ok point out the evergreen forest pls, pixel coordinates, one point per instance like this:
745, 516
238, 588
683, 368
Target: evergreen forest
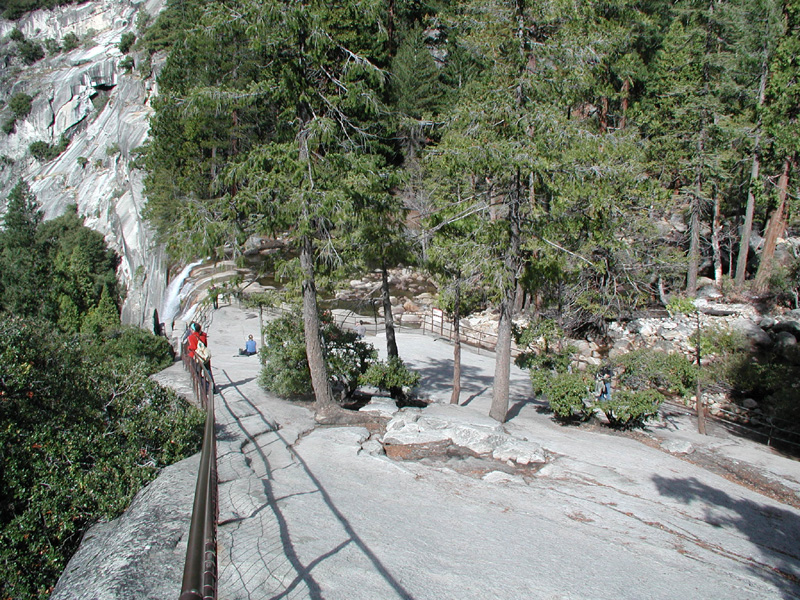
576, 161
82, 427
579, 161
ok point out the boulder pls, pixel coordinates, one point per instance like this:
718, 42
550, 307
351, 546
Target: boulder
752, 332
749, 403
678, 446
381, 406
785, 338
521, 452
787, 325
372, 447
448, 429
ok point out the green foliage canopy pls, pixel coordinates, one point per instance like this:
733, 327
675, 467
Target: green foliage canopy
83, 428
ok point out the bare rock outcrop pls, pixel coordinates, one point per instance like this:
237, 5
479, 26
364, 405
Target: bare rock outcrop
84, 96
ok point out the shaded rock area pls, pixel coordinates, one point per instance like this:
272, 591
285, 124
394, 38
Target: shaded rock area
141, 554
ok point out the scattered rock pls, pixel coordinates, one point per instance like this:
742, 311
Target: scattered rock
753, 332
450, 430
380, 405
678, 446
372, 447
785, 338
520, 451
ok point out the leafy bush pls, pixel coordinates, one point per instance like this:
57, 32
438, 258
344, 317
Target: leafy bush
70, 41
83, 431
9, 126
286, 370
392, 376
569, 395
646, 369
627, 409
52, 46
126, 64
20, 104
29, 51
44, 152
126, 42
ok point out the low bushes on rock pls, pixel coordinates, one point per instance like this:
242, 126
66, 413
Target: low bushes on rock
392, 376
651, 369
568, 394
286, 370
627, 409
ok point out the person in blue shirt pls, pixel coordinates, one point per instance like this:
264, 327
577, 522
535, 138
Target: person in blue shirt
249, 347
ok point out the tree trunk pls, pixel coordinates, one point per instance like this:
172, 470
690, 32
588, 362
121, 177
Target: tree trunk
390, 29
502, 368
747, 228
701, 411
320, 381
456, 395
775, 227
604, 114
626, 91
715, 243
502, 365
694, 246
391, 341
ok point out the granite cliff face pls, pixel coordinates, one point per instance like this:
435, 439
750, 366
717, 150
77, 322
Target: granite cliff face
103, 110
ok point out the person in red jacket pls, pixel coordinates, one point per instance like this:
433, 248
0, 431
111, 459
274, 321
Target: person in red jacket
197, 335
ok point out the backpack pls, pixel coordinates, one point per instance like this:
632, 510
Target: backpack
202, 352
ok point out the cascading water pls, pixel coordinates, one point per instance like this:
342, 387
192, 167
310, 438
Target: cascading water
173, 297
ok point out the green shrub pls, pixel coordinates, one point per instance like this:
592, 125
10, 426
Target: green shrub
16, 35
9, 126
286, 370
569, 395
70, 41
30, 52
83, 431
127, 64
52, 46
44, 152
126, 42
20, 104
392, 376
647, 369
627, 409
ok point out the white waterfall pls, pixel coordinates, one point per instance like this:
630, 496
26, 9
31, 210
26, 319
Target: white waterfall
173, 297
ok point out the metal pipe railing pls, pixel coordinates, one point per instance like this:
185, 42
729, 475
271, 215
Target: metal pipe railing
200, 569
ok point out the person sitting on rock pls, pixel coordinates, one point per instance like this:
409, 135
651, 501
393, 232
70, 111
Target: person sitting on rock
249, 347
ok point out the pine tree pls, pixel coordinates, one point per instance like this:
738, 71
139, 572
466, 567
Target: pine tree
23, 265
686, 118
783, 127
